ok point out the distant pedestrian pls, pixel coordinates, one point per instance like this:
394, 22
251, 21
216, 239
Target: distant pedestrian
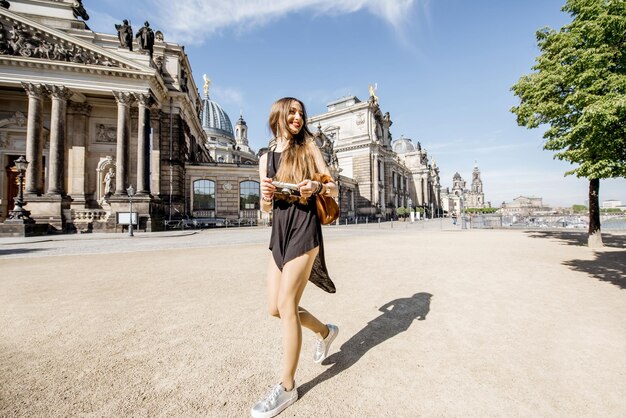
453, 218
296, 242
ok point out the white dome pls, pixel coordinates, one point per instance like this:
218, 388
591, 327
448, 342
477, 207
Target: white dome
402, 145
215, 119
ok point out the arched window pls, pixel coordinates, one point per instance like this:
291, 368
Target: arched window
203, 195
249, 195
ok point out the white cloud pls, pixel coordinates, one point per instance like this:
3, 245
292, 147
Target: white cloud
212, 15
227, 95
102, 22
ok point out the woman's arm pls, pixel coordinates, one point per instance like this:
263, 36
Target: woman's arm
267, 188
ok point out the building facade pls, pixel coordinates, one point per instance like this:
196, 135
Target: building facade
460, 198
524, 206
93, 113
228, 186
374, 178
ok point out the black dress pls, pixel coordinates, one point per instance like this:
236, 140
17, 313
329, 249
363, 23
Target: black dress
296, 229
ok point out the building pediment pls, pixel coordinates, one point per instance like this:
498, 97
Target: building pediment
26, 40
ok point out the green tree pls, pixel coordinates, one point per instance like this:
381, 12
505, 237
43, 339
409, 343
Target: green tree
578, 88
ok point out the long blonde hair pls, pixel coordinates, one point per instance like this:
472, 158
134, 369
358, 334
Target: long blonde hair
297, 162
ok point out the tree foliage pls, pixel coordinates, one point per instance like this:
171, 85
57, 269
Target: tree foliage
578, 89
481, 210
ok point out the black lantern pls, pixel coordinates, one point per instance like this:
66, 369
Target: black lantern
19, 214
131, 193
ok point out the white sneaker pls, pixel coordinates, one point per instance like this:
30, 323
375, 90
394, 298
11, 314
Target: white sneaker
322, 345
275, 402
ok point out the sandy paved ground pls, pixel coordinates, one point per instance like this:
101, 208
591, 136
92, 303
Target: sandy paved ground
432, 323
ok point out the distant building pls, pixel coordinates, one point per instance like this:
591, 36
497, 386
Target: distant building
612, 204
228, 186
376, 174
524, 206
460, 198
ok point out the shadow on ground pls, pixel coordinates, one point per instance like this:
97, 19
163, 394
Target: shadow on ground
607, 266
13, 251
580, 237
397, 316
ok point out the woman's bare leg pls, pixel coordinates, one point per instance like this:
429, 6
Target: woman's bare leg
309, 321
273, 285
293, 280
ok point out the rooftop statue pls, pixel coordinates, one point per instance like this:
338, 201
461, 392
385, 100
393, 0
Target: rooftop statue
79, 9
145, 38
373, 96
125, 35
207, 82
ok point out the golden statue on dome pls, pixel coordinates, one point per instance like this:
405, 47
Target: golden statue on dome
373, 96
207, 81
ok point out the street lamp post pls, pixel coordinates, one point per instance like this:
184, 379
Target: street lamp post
19, 214
131, 193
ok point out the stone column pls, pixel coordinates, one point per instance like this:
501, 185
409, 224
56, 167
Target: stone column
60, 96
124, 100
34, 138
143, 136
77, 173
375, 197
426, 190
382, 198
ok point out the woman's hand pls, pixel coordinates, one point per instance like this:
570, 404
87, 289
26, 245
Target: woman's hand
267, 189
308, 187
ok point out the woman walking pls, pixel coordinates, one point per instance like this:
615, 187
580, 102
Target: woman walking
296, 242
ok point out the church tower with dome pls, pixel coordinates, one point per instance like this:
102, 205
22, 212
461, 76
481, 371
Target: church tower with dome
223, 145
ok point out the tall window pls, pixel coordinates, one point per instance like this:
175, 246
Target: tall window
249, 195
203, 195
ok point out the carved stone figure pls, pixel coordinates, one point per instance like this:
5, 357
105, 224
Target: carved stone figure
145, 37
26, 41
183, 80
4, 42
44, 49
158, 63
159, 36
372, 89
59, 52
207, 83
79, 10
125, 35
109, 183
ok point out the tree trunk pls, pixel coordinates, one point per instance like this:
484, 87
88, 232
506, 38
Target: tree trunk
595, 237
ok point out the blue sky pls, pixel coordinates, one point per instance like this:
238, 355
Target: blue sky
444, 69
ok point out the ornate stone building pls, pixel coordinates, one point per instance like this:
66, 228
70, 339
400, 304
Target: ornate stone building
376, 174
461, 198
94, 113
228, 186
225, 144
524, 206
424, 185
